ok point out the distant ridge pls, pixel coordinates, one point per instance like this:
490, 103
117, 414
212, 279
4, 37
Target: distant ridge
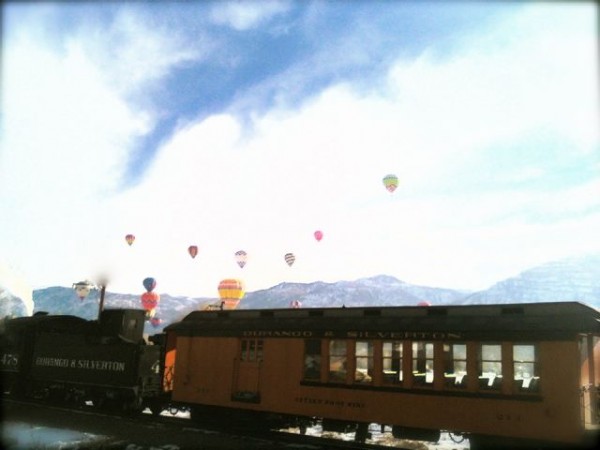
572, 279
381, 290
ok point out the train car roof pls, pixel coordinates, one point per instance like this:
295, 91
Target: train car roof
44, 321
548, 320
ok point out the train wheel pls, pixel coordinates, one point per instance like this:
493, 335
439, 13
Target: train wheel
457, 438
362, 433
302, 428
155, 407
98, 402
196, 415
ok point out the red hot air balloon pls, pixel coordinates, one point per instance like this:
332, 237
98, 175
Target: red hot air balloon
193, 250
149, 303
155, 321
129, 239
318, 235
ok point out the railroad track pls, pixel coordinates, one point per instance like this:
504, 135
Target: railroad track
145, 431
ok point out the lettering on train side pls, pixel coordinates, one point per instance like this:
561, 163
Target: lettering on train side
89, 364
257, 334
402, 335
415, 335
329, 402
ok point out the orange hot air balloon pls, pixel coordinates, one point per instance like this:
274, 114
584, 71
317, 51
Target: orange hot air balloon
193, 250
149, 303
231, 291
130, 238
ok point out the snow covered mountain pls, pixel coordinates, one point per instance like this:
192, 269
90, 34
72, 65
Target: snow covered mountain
380, 290
62, 300
10, 304
574, 279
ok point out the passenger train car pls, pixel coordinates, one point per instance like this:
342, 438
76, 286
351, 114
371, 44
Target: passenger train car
505, 376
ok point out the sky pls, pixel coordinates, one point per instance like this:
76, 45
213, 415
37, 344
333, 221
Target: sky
250, 125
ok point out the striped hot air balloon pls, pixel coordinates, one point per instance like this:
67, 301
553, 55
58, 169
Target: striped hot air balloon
241, 257
289, 259
231, 291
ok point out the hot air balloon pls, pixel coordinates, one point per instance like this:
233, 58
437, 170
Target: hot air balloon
130, 238
231, 291
424, 303
318, 235
295, 304
193, 250
241, 256
289, 259
149, 283
155, 321
149, 303
390, 182
83, 288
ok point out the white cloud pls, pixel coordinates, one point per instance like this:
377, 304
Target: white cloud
243, 15
267, 187
132, 53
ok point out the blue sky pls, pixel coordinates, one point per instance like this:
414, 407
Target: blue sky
249, 125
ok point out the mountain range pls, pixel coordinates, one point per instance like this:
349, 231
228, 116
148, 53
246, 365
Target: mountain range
573, 279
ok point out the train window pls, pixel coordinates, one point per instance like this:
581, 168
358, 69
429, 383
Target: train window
252, 350
490, 366
312, 359
364, 362
422, 363
525, 368
337, 360
392, 362
455, 365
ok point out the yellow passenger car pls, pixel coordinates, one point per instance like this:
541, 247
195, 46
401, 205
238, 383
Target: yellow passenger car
505, 375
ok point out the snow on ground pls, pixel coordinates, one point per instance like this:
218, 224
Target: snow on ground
18, 435
446, 442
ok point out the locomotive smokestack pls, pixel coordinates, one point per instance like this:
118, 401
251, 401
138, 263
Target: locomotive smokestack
101, 304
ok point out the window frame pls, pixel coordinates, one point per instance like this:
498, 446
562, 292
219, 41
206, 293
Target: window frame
451, 374
531, 383
490, 382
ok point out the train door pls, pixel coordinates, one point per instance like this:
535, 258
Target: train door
590, 379
246, 380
